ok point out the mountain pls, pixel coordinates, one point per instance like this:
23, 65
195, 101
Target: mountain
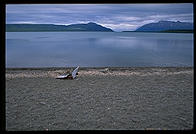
51, 27
88, 27
165, 26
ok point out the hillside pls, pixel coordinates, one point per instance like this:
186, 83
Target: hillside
166, 26
51, 27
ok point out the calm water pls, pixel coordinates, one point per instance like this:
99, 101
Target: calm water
98, 49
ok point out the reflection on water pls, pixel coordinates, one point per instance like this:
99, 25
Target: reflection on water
60, 49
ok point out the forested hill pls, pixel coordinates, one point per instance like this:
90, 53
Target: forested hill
51, 27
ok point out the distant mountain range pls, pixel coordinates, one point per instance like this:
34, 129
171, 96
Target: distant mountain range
161, 26
167, 26
51, 27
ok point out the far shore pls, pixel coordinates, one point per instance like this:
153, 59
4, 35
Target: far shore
115, 31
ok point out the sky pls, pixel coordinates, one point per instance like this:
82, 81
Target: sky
118, 17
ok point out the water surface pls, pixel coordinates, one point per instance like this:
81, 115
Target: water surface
98, 49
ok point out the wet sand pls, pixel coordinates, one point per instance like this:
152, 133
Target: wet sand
100, 99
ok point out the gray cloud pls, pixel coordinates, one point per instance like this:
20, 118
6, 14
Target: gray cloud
116, 16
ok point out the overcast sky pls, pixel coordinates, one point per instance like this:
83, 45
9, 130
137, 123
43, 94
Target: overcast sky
119, 17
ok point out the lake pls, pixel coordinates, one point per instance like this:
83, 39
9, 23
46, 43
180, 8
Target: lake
98, 49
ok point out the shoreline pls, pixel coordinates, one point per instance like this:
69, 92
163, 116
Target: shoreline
96, 71
83, 68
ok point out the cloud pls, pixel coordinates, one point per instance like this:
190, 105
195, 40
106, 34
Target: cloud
120, 26
116, 16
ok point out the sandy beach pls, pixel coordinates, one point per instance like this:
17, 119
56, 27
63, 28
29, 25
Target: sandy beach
143, 98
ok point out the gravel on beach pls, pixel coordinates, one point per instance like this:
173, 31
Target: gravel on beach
146, 98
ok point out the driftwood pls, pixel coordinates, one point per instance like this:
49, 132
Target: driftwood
69, 74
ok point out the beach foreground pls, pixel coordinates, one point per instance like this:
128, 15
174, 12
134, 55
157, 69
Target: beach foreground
100, 99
